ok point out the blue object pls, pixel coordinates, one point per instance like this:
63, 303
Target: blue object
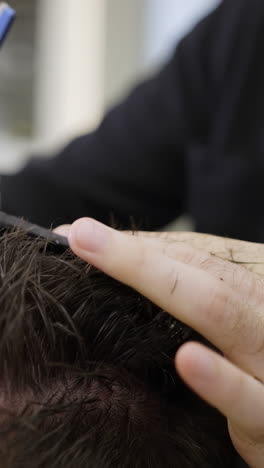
7, 15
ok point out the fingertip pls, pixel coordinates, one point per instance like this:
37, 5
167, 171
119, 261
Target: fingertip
78, 223
195, 364
88, 236
184, 355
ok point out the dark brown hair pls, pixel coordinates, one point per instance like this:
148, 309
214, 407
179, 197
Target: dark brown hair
87, 372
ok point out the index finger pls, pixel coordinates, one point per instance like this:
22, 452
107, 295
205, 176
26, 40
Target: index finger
188, 293
248, 254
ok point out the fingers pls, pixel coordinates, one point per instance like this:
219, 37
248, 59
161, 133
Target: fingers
223, 247
229, 314
209, 253
235, 275
204, 302
234, 393
188, 285
244, 254
248, 254
190, 294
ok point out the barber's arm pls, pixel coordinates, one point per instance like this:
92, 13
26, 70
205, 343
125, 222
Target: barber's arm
222, 300
133, 166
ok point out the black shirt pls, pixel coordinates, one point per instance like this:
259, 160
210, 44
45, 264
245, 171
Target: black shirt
189, 140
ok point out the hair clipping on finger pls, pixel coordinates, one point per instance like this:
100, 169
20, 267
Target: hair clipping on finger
56, 242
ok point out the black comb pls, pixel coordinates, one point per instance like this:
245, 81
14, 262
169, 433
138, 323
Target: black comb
56, 242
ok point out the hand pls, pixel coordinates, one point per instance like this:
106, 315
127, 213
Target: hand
248, 254
223, 301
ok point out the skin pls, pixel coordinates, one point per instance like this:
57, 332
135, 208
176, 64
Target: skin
214, 285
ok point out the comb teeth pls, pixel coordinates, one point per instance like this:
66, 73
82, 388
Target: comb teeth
8, 223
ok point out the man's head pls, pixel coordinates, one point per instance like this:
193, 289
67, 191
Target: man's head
87, 372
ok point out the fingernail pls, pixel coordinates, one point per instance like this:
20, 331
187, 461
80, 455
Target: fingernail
89, 235
62, 231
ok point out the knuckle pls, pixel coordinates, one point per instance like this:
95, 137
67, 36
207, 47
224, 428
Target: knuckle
228, 319
217, 307
183, 252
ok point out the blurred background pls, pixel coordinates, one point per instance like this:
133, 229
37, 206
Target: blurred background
66, 61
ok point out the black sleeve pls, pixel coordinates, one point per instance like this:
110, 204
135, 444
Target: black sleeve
133, 165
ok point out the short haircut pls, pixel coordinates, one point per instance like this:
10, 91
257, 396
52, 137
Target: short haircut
87, 372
